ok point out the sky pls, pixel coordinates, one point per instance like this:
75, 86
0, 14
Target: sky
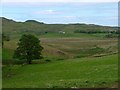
100, 12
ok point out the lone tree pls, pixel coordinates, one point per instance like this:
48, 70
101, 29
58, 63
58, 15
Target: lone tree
29, 48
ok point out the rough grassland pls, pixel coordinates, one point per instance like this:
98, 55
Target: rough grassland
84, 72
62, 48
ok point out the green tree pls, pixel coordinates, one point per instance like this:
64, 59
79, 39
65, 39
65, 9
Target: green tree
29, 48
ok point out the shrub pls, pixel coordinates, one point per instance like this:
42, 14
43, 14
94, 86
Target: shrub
48, 60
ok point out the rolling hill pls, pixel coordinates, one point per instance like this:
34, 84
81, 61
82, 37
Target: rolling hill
12, 27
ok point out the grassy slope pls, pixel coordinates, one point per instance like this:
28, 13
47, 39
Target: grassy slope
62, 48
15, 29
85, 72
7, 54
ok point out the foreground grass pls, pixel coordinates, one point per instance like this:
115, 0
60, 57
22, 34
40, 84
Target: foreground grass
85, 72
7, 54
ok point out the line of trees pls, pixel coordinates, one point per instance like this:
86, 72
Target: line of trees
96, 31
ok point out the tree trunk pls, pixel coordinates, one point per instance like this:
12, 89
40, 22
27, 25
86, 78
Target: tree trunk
28, 61
28, 58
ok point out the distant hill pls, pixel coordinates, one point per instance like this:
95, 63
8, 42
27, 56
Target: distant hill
33, 21
11, 27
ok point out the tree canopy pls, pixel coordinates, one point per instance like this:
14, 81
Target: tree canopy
29, 48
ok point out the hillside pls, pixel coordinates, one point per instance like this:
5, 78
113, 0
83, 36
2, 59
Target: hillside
32, 26
77, 73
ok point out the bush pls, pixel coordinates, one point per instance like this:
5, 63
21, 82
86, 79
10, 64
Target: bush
81, 55
60, 59
111, 35
48, 60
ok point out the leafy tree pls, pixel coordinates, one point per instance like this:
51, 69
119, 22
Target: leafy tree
29, 48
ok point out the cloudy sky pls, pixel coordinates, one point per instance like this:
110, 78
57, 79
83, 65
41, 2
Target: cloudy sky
102, 12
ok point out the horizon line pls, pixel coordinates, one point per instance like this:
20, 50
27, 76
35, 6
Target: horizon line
22, 21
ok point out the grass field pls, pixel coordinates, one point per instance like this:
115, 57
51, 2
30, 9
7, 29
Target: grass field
80, 72
67, 48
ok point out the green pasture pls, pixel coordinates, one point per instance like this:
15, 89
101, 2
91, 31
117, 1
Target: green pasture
72, 73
